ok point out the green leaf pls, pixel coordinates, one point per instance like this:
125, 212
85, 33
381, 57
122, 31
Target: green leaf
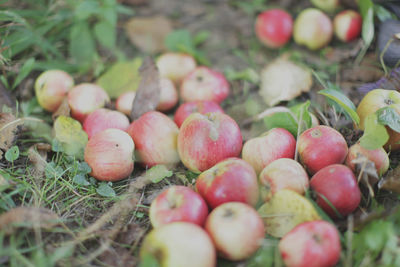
12, 154
382, 13
52, 171
40, 129
389, 116
282, 120
148, 260
56, 146
80, 179
367, 13
81, 44
343, 102
122, 77
86, 9
60, 253
302, 113
267, 255
70, 134
201, 37
105, 190
158, 172
84, 168
375, 134
105, 34
247, 74
178, 40
24, 71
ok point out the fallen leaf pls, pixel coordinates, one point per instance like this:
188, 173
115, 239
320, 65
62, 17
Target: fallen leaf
283, 80
122, 77
37, 155
8, 130
71, 136
392, 181
28, 217
63, 110
148, 93
149, 33
367, 173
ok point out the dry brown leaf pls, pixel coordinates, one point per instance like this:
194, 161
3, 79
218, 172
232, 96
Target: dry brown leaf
148, 93
367, 173
148, 33
283, 80
27, 217
392, 181
63, 110
37, 155
8, 130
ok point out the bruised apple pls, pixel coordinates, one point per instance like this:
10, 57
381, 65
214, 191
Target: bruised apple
86, 98
155, 136
51, 87
205, 140
178, 203
175, 66
102, 119
124, 102
188, 108
274, 144
110, 155
230, 180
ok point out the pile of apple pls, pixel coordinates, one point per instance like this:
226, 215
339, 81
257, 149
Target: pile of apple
312, 28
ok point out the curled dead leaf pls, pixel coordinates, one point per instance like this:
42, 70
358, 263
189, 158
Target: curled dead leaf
367, 173
28, 217
8, 131
392, 181
283, 80
37, 155
149, 33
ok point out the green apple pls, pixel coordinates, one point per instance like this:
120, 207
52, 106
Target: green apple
326, 5
179, 244
377, 99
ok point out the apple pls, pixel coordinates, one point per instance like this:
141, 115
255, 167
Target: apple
313, 29
274, 144
102, 119
125, 101
274, 27
205, 140
378, 156
377, 99
175, 66
337, 184
347, 25
321, 146
110, 155
155, 136
51, 87
168, 95
311, 244
204, 84
281, 174
188, 108
326, 5
86, 98
178, 204
236, 230
230, 180
179, 244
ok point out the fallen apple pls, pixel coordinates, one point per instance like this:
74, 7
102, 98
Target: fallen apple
205, 140
110, 155
175, 66
188, 108
125, 101
229, 180
168, 95
178, 204
347, 25
326, 5
51, 87
102, 119
236, 230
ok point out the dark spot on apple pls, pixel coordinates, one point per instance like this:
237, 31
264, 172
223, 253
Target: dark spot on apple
199, 78
316, 238
116, 145
388, 101
228, 213
316, 133
158, 255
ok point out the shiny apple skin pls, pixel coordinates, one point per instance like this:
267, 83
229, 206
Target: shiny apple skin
102, 119
188, 108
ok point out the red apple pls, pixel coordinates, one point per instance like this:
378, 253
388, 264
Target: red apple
125, 101
378, 156
179, 244
102, 119
86, 98
110, 155
282, 174
168, 95
274, 27
205, 140
230, 180
321, 146
336, 184
236, 229
204, 84
313, 29
347, 25
51, 87
311, 244
175, 66
178, 204
155, 136
275, 144
188, 108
